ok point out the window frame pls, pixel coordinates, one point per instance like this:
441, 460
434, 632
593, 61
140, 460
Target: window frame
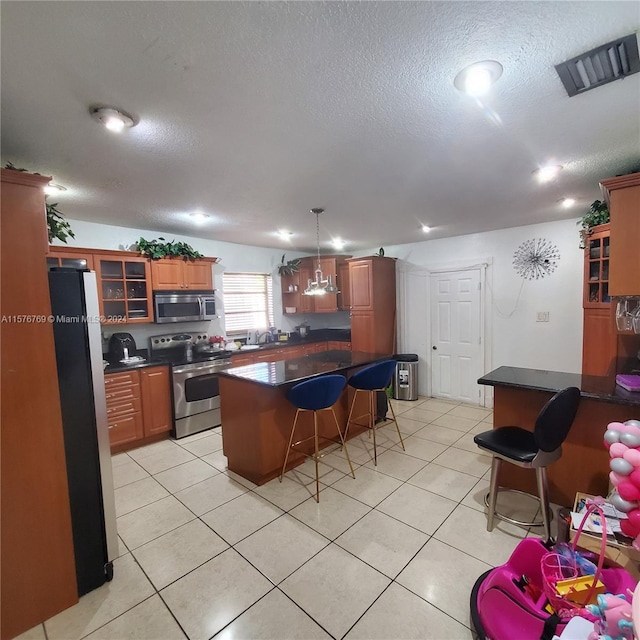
267, 309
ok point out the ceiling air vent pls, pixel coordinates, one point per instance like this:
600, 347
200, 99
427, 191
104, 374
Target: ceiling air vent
611, 61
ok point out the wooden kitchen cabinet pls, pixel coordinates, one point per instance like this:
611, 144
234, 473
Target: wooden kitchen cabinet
596, 269
623, 198
123, 288
124, 407
344, 297
292, 286
156, 400
172, 274
138, 406
38, 578
372, 283
339, 345
69, 258
599, 342
240, 359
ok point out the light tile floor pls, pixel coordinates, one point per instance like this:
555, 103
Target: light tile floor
392, 554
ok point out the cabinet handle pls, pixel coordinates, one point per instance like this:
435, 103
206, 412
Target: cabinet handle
108, 395
109, 410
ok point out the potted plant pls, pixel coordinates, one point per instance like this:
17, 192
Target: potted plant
57, 226
288, 268
597, 214
156, 249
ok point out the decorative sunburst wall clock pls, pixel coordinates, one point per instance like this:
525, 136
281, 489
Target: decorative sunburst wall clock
536, 258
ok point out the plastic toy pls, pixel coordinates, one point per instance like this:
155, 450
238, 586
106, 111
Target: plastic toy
614, 622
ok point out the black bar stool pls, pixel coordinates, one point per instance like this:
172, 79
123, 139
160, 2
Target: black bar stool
317, 394
376, 377
535, 449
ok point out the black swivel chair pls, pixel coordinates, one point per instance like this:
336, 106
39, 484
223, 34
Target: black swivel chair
535, 449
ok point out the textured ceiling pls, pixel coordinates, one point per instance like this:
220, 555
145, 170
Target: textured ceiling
255, 112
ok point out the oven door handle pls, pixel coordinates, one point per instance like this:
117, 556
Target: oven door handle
199, 370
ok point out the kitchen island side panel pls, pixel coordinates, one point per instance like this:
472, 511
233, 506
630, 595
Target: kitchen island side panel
256, 426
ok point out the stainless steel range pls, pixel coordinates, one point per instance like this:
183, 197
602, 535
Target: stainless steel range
194, 366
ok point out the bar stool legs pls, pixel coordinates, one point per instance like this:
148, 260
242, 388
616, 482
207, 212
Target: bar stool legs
543, 492
316, 456
371, 418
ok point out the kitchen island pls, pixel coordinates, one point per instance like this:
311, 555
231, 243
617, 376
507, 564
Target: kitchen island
519, 394
257, 417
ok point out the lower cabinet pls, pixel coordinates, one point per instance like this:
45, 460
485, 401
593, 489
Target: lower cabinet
138, 404
339, 345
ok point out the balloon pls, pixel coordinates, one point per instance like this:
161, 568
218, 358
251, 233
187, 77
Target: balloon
615, 426
633, 423
616, 479
634, 519
628, 529
611, 436
630, 439
632, 456
634, 477
628, 491
622, 505
618, 450
621, 466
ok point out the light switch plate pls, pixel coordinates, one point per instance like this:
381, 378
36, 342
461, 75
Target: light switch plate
542, 316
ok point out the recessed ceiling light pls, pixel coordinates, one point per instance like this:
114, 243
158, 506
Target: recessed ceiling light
338, 243
284, 234
51, 189
476, 79
548, 172
567, 203
113, 119
198, 217
425, 228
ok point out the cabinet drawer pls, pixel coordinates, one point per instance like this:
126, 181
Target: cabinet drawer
117, 394
125, 428
123, 407
122, 378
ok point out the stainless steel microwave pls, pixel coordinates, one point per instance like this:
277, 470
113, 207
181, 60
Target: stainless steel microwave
182, 306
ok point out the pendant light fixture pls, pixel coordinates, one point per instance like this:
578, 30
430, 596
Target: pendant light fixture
320, 286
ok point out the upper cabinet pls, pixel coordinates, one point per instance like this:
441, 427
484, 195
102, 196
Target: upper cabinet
68, 259
373, 304
596, 269
123, 289
293, 286
623, 197
171, 274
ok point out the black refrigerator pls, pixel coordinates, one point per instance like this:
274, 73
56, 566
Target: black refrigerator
78, 343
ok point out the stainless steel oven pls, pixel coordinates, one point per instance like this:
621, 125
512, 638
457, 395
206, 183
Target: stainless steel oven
196, 396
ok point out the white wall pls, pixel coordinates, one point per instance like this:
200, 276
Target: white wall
233, 257
513, 337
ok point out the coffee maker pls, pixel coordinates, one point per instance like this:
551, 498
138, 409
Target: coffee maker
121, 346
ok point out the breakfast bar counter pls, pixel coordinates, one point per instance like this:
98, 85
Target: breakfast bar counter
257, 417
520, 394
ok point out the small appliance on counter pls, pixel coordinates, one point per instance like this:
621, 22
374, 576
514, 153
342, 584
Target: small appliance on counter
122, 346
303, 329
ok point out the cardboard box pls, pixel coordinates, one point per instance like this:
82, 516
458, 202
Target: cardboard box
621, 554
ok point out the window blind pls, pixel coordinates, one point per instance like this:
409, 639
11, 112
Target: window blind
248, 301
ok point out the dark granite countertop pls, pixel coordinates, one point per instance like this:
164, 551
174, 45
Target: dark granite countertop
285, 372
315, 335
116, 367
602, 388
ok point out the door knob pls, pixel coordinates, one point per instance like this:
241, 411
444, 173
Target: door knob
434, 347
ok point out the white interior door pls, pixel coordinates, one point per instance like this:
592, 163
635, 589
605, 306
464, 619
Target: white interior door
457, 352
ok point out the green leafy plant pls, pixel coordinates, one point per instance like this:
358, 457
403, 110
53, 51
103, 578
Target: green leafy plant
57, 225
597, 214
288, 268
156, 249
